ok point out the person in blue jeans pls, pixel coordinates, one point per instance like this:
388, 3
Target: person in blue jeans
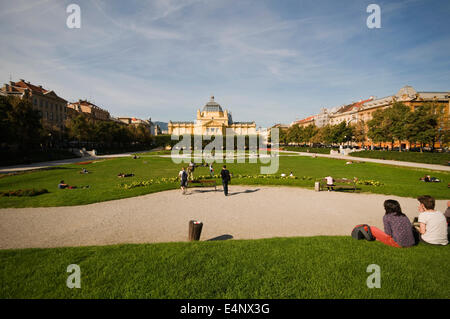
225, 174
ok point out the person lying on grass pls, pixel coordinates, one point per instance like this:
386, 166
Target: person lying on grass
398, 231
121, 175
431, 224
63, 185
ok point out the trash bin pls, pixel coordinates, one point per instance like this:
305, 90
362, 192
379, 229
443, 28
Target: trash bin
195, 230
317, 186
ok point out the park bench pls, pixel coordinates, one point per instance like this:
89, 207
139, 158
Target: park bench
205, 182
342, 183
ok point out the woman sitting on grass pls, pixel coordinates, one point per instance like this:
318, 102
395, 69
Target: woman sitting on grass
398, 231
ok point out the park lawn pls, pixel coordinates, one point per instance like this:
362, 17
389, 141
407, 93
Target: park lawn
417, 157
318, 150
298, 267
105, 185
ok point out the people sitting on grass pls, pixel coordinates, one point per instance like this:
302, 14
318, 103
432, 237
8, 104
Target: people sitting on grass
330, 183
121, 175
431, 226
84, 171
429, 179
398, 231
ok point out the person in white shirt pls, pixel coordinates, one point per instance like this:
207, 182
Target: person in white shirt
330, 183
432, 223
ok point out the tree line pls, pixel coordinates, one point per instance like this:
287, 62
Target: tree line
426, 125
23, 128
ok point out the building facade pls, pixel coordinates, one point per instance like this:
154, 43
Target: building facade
93, 111
51, 107
148, 124
212, 120
363, 110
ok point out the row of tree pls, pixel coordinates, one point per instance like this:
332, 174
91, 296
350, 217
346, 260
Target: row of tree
106, 133
22, 127
425, 125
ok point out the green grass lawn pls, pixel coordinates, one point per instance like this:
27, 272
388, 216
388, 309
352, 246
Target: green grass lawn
302, 267
425, 157
104, 183
318, 150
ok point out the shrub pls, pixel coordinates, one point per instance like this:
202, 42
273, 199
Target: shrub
24, 192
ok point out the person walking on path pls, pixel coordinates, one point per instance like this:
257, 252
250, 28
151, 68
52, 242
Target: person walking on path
184, 178
191, 169
211, 170
225, 174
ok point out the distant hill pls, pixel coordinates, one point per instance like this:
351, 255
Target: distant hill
163, 125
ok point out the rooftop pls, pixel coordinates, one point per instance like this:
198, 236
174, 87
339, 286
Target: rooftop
212, 106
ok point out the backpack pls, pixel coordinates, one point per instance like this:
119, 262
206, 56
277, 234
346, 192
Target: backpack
362, 232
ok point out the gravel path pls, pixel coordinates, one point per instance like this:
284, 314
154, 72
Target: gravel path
250, 212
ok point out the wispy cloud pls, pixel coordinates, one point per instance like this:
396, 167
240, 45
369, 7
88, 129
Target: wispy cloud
265, 61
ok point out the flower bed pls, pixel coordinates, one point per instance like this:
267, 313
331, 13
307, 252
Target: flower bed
24, 192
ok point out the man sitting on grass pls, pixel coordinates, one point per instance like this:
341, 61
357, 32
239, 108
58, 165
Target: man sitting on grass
62, 185
432, 225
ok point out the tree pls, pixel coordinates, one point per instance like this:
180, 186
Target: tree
80, 128
294, 134
379, 127
423, 124
309, 132
397, 116
360, 132
341, 133
20, 123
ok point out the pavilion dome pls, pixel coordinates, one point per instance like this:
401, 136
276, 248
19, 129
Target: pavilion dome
212, 106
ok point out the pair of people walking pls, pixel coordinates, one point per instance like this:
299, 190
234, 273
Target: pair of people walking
225, 175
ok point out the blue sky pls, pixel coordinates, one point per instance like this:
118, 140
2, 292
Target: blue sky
267, 61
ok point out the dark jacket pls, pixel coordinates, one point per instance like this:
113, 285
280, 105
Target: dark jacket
225, 175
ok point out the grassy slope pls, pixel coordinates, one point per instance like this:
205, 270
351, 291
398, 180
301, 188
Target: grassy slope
104, 182
429, 158
309, 267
